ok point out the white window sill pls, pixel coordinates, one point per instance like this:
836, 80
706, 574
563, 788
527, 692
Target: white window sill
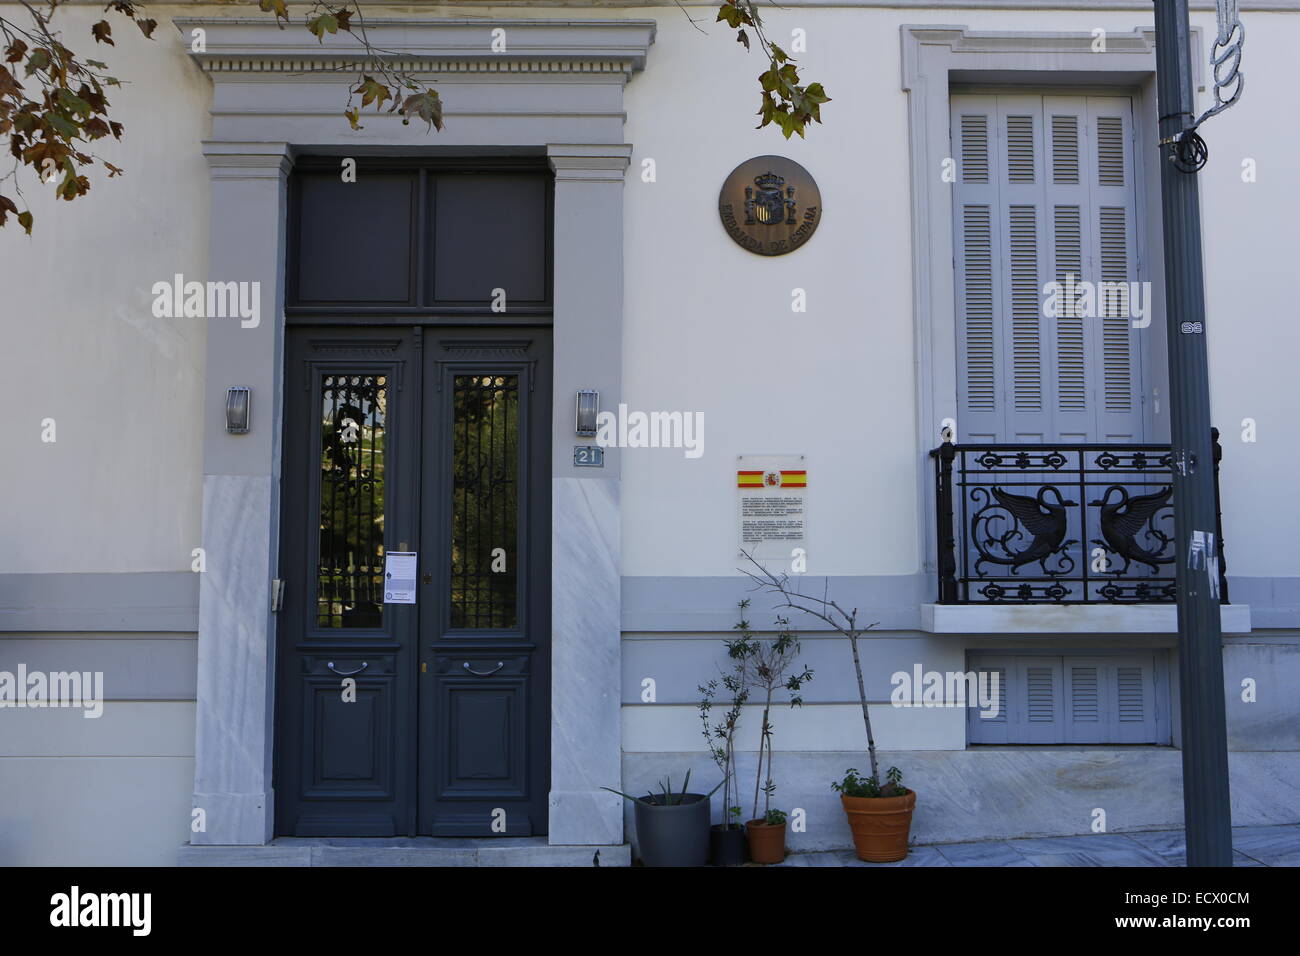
1098, 619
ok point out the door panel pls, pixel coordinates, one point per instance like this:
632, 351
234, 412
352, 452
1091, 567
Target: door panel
488, 541
346, 746
433, 717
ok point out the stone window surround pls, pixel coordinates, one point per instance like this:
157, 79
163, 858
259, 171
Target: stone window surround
935, 60
278, 93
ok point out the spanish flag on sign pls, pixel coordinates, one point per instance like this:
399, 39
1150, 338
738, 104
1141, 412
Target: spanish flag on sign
772, 479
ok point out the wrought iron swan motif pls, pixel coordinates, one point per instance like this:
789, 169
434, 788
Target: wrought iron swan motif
1125, 518
1045, 520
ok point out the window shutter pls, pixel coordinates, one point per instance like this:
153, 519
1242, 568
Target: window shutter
1118, 395
995, 729
1045, 193
978, 267
1074, 699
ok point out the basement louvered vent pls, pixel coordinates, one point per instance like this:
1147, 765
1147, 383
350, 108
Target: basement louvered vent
1103, 698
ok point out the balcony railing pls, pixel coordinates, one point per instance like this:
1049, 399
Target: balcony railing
1059, 524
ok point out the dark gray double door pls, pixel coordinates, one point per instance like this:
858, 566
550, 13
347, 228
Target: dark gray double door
432, 717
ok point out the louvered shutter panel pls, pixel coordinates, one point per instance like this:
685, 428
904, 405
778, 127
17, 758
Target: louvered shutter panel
1075, 699
1045, 192
980, 351
995, 729
1074, 414
1119, 346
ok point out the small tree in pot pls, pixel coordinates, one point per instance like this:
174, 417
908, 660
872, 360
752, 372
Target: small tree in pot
727, 839
880, 815
769, 668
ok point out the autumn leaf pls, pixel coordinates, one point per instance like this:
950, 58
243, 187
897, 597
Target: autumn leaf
6, 206
147, 27
95, 127
14, 52
353, 115
39, 60
112, 170
426, 105
103, 32
25, 220
277, 7
325, 23
372, 91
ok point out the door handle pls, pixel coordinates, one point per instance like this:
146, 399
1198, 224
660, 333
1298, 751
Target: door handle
500, 664
364, 665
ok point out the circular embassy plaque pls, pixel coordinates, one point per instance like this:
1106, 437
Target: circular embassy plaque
770, 205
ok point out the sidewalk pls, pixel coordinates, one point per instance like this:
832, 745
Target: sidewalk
1252, 846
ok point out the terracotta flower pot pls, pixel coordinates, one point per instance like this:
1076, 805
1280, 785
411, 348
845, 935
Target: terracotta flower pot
766, 841
880, 825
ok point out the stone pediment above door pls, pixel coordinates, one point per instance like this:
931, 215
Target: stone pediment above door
272, 84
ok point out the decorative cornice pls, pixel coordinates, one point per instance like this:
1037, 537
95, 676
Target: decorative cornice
428, 45
1138, 43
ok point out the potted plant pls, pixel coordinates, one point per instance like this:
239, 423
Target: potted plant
727, 839
672, 828
880, 815
769, 669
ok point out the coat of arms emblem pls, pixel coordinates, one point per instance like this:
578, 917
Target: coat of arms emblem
769, 204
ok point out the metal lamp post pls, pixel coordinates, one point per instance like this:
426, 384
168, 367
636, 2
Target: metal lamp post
1206, 806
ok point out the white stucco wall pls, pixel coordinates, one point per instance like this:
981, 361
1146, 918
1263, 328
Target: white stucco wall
119, 490
708, 326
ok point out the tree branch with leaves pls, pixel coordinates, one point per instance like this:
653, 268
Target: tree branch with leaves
53, 103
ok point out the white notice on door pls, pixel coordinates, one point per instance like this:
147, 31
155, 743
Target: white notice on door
399, 577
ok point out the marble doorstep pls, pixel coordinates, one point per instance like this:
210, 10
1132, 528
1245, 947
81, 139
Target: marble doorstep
405, 851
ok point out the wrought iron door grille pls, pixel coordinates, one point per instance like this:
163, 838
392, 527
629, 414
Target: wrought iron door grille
485, 501
1058, 524
350, 569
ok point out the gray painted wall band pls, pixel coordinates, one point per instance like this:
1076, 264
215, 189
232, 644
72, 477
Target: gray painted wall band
134, 668
167, 602
130, 602
709, 603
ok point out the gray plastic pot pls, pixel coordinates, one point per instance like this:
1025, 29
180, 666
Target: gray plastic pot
674, 835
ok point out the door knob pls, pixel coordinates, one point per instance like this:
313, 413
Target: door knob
500, 664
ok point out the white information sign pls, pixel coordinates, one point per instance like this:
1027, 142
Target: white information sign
399, 577
773, 501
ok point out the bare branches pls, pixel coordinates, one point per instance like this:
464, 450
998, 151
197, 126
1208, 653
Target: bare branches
823, 608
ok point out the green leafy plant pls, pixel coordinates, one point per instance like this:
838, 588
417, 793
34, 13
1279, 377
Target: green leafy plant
666, 797
854, 785
720, 737
770, 667
774, 818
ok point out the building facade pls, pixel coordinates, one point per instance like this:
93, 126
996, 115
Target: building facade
413, 317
